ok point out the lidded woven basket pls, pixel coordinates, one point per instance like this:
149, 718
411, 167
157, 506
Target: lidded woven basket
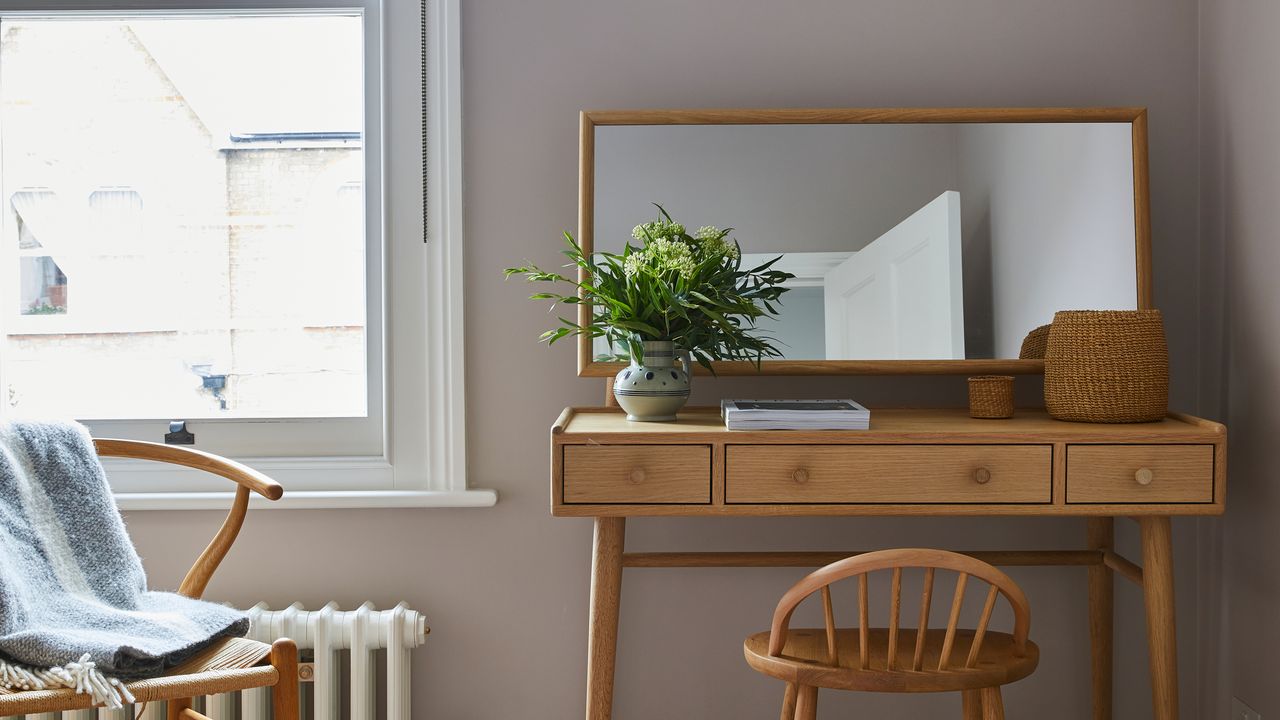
1107, 366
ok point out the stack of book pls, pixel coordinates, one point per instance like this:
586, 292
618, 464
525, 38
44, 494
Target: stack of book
794, 415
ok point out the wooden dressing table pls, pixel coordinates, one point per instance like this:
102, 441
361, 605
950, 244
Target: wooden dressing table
910, 463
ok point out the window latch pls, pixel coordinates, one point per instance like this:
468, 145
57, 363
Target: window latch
178, 434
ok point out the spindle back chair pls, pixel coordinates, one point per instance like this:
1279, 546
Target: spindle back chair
973, 662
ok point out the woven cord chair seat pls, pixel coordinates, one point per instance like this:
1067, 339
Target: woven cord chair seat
226, 666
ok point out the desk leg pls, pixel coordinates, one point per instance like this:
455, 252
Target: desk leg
1101, 536
602, 631
1157, 589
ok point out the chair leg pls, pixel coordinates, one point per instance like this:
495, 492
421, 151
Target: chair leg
789, 703
807, 703
972, 700
284, 697
992, 704
175, 708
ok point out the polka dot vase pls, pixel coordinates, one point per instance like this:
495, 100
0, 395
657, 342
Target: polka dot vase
656, 390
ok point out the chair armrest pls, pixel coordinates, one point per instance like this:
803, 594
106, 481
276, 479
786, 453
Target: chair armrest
239, 473
246, 477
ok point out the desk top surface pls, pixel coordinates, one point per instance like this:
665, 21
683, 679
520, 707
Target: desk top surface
887, 425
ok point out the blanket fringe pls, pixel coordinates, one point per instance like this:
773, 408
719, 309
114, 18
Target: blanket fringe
82, 676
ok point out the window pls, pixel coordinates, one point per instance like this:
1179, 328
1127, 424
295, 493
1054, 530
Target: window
115, 215
241, 273
42, 285
196, 220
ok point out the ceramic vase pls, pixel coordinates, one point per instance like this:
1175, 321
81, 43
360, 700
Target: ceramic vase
655, 389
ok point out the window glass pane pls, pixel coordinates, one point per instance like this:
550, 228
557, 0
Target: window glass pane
32, 208
44, 286
197, 179
116, 216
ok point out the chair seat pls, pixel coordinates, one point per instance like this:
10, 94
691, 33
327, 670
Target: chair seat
226, 666
804, 661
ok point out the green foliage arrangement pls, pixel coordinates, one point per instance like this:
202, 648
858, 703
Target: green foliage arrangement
689, 289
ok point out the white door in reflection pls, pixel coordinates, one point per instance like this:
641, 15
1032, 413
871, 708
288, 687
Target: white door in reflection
901, 296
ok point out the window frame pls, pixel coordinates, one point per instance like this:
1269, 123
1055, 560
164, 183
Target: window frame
422, 462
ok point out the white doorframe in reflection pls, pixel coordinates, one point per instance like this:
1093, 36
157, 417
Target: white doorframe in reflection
901, 296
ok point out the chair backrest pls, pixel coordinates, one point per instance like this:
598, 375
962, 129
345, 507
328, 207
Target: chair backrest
896, 560
245, 477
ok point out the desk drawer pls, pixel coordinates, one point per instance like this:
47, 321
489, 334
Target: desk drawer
662, 474
909, 474
1139, 473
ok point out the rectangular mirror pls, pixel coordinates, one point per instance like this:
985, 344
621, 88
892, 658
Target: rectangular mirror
922, 240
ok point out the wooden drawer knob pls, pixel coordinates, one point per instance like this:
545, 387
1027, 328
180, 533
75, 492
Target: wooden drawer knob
982, 476
801, 475
637, 476
1144, 476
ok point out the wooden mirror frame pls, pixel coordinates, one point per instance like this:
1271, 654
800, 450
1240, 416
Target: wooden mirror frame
1135, 116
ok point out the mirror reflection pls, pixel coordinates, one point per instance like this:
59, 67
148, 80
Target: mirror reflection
908, 241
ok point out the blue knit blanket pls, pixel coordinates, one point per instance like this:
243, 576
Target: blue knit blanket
75, 610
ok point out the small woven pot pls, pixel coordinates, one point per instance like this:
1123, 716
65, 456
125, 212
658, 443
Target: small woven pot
1035, 344
1107, 366
991, 397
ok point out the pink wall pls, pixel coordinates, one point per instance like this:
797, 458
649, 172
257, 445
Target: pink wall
506, 588
1240, 111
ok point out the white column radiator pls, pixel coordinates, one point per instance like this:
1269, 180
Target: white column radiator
326, 633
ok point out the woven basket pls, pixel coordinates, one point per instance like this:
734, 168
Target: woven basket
1107, 366
1035, 344
991, 397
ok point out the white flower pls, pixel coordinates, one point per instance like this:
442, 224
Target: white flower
707, 232
632, 264
714, 242
657, 229
720, 246
665, 255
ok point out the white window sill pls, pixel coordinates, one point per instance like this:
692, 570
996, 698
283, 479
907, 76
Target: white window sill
313, 499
